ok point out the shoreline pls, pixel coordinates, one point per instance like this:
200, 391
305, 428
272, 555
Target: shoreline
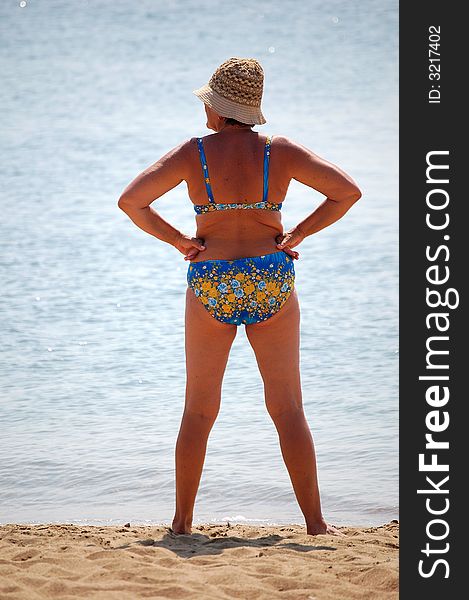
219, 561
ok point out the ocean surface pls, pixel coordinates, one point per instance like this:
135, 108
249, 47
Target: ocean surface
92, 371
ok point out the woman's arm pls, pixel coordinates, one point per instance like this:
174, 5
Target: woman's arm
153, 182
340, 190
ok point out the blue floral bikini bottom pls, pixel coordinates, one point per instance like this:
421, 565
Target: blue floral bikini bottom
244, 290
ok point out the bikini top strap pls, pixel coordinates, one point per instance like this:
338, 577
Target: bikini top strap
266, 167
203, 162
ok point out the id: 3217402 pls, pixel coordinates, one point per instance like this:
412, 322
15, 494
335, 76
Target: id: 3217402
434, 72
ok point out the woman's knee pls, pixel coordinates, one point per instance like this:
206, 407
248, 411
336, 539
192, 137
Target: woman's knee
288, 419
202, 406
283, 399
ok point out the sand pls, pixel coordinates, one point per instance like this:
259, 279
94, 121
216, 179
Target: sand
215, 562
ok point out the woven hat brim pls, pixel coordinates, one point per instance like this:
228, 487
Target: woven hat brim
251, 115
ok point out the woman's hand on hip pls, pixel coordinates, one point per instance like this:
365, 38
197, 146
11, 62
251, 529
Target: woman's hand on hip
189, 246
288, 240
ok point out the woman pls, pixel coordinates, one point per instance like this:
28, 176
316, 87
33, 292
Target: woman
241, 270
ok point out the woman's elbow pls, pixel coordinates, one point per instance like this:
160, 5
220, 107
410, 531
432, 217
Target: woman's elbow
347, 193
353, 194
123, 203
356, 194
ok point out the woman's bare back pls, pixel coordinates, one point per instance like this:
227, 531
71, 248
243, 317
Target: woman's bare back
235, 165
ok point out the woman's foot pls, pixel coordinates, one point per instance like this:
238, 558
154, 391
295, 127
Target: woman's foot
180, 528
322, 528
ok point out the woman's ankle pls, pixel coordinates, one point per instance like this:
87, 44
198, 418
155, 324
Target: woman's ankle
182, 522
317, 525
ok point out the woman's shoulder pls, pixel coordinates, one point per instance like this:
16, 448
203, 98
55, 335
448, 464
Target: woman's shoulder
187, 146
286, 143
290, 151
295, 151
184, 150
194, 139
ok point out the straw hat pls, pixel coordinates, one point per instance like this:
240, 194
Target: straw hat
235, 90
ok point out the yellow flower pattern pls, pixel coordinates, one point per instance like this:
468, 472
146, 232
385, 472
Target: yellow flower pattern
244, 290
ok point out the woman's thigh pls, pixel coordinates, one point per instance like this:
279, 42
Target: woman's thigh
276, 344
207, 343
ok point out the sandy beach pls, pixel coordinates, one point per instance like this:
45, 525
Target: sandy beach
215, 562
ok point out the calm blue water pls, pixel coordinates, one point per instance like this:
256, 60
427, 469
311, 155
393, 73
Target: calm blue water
92, 369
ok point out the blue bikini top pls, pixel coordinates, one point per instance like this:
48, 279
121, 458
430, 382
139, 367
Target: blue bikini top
212, 205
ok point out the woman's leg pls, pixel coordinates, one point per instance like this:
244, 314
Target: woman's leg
208, 344
276, 344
